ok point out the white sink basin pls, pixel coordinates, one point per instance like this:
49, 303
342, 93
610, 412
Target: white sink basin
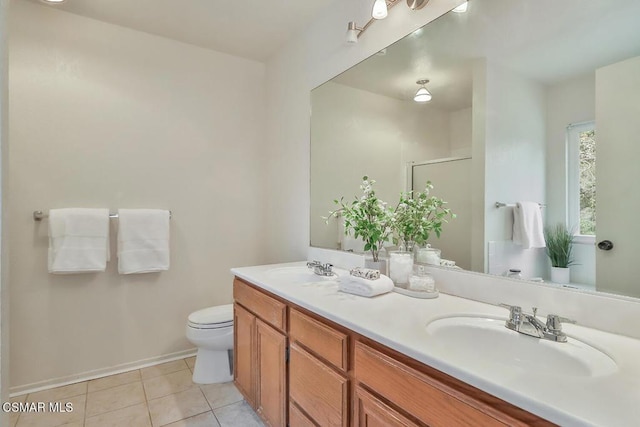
301, 274
480, 343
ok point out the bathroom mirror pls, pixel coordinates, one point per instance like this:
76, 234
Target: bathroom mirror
516, 88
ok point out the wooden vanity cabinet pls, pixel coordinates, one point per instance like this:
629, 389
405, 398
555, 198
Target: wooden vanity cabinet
260, 352
298, 369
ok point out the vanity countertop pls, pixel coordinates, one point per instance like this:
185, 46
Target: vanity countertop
399, 322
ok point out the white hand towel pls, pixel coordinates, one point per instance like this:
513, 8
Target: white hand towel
78, 240
143, 240
365, 287
527, 225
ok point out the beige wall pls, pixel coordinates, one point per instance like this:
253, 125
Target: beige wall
103, 116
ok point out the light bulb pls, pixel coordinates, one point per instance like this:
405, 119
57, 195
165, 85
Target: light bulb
352, 36
462, 8
422, 95
352, 33
379, 9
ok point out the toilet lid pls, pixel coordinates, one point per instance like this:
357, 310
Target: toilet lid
220, 315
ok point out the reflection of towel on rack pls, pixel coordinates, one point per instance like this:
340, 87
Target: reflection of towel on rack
527, 225
78, 240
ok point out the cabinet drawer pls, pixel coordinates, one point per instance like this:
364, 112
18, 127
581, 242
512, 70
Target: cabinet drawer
371, 412
425, 398
323, 340
319, 390
268, 309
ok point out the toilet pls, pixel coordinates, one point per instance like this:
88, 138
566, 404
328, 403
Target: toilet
211, 330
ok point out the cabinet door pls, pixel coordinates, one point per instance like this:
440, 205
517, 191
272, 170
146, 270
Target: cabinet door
244, 372
319, 390
271, 347
371, 412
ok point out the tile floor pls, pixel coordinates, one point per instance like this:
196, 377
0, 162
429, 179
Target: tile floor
161, 395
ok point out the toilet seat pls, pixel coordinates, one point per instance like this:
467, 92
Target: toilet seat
217, 317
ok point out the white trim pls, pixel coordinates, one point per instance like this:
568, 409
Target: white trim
573, 171
584, 239
99, 373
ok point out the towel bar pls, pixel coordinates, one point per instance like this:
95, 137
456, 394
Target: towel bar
513, 205
39, 215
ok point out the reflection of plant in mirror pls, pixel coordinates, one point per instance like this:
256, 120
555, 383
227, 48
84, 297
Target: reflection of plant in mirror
418, 215
559, 240
367, 217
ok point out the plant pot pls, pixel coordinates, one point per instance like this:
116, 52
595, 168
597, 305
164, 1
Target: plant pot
560, 274
381, 265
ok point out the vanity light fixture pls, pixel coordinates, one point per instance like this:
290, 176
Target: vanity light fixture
422, 95
380, 10
462, 8
52, 1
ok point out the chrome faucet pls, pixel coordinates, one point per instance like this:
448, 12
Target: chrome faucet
529, 324
321, 269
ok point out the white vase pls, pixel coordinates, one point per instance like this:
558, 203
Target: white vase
560, 274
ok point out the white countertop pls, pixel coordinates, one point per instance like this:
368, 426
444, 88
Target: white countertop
399, 322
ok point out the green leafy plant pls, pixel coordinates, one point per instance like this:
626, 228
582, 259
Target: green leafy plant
418, 215
559, 240
366, 217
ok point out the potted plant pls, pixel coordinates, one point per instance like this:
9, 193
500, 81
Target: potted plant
559, 241
417, 216
367, 218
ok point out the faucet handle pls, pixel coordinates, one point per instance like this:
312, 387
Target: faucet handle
515, 312
554, 322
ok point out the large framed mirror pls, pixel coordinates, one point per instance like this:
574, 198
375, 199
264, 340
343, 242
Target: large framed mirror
527, 97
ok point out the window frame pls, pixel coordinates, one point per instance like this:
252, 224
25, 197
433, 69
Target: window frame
573, 178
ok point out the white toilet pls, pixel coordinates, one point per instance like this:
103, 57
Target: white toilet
211, 330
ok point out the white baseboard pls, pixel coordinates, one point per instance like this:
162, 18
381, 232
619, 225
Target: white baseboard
99, 373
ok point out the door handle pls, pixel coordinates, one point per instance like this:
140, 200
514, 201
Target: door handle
605, 245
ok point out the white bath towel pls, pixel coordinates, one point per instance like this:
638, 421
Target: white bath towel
78, 240
365, 287
143, 240
527, 225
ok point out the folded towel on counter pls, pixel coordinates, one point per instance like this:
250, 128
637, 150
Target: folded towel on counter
78, 240
143, 240
527, 225
365, 287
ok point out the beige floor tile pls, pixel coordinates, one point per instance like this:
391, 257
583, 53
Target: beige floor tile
53, 419
114, 398
133, 416
114, 380
176, 407
13, 416
238, 414
168, 384
191, 362
163, 369
221, 394
203, 420
58, 393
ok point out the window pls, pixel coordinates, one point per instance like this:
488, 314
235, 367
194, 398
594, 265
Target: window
581, 168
